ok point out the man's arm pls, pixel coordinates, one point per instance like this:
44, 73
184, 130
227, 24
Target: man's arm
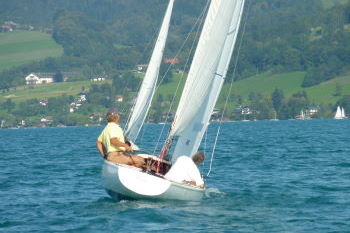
116, 142
195, 175
99, 146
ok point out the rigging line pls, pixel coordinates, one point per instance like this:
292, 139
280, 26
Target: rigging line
230, 89
198, 23
205, 150
143, 130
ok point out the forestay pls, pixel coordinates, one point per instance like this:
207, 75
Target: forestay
206, 75
148, 86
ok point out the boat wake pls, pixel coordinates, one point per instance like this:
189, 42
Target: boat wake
213, 192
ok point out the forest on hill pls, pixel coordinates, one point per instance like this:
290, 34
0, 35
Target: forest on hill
111, 36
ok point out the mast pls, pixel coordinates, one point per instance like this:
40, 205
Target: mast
148, 86
206, 75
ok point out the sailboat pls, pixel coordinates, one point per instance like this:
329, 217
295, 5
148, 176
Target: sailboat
339, 113
275, 117
204, 82
301, 116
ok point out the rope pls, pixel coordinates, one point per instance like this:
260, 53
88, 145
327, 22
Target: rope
228, 93
214, 147
205, 150
162, 79
197, 24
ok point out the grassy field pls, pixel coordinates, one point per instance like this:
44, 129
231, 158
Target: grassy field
21, 47
290, 83
170, 88
265, 83
331, 3
324, 93
45, 91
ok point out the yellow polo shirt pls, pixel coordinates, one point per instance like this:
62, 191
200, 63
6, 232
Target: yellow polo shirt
112, 130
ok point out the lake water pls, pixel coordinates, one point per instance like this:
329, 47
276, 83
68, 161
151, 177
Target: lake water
282, 176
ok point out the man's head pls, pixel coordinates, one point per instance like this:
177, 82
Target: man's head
112, 115
198, 157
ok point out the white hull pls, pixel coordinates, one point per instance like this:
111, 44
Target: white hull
123, 181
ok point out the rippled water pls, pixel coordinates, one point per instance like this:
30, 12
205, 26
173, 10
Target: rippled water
283, 176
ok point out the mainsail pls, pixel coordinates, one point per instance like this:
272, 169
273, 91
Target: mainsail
206, 75
148, 86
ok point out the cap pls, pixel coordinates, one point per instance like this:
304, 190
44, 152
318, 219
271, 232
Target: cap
112, 111
111, 114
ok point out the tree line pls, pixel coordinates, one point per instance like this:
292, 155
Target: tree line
100, 97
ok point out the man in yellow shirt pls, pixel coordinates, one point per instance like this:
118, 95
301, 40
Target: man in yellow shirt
111, 143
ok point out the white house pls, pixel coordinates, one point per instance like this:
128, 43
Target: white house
119, 98
47, 119
243, 110
98, 79
39, 78
81, 97
141, 68
44, 102
311, 111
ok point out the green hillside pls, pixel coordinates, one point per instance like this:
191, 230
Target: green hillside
45, 91
265, 83
169, 89
331, 3
324, 92
290, 83
112, 36
22, 47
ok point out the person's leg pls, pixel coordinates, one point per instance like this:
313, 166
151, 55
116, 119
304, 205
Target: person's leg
122, 158
118, 157
138, 161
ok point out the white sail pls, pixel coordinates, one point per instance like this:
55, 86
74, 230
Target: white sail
343, 113
206, 76
338, 114
149, 82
